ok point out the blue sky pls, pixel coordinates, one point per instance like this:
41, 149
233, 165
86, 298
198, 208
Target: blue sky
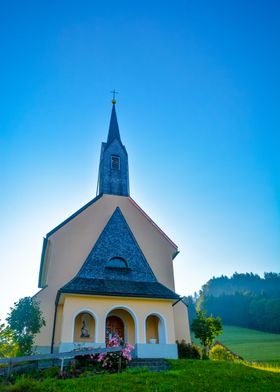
198, 111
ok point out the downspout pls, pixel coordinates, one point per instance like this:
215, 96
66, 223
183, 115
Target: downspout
54, 321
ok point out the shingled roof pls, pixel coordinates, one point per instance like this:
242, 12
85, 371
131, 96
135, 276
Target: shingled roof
118, 288
130, 276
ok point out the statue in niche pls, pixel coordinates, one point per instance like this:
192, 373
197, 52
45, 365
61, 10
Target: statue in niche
84, 330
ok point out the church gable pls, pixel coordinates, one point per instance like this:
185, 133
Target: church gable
117, 255
116, 266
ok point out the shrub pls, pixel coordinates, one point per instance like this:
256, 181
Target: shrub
51, 372
87, 361
118, 360
220, 353
187, 350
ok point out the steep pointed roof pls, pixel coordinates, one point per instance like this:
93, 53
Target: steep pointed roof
114, 132
117, 240
117, 266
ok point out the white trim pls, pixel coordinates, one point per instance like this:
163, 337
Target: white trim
132, 314
85, 310
162, 332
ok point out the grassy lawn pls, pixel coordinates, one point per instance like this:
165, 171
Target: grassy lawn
252, 345
185, 375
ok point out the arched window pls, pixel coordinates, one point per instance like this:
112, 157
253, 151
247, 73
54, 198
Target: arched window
116, 262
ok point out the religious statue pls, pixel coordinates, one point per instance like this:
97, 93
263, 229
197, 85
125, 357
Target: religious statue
84, 330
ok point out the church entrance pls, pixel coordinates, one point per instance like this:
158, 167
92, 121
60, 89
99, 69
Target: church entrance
119, 322
114, 328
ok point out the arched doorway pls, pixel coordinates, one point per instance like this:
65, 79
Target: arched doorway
155, 329
84, 328
114, 327
120, 322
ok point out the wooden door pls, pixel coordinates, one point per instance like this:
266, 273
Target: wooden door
114, 326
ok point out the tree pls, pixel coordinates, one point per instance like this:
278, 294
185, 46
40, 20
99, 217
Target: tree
206, 329
8, 346
25, 320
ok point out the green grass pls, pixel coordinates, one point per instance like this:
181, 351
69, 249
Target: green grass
185, 375
252, 345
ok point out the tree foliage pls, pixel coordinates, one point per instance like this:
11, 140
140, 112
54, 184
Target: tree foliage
244, 300
190, 302
206, 329
8, 346
25, 320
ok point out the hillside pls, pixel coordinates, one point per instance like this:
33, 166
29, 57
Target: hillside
251, 344
244, 300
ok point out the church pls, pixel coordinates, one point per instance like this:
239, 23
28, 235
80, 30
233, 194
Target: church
108, 270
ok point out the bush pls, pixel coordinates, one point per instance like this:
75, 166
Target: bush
51, 372
220, 353
87, 361
187, 350
118, 360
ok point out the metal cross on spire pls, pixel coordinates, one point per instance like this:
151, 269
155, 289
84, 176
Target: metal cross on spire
114, 92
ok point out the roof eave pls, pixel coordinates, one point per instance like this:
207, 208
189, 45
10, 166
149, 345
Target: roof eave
42, 262
110, 294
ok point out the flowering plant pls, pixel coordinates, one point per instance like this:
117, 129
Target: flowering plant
117, 360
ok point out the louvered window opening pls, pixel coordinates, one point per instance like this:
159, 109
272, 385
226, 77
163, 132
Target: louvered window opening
115, 162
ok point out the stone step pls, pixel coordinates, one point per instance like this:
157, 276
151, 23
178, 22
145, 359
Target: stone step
153, 364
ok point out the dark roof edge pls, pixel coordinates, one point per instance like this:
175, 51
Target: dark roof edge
73, 215
175, 254
153, 223
109, 294
45, 243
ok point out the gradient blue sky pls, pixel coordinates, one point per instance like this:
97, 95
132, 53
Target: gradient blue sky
198, 111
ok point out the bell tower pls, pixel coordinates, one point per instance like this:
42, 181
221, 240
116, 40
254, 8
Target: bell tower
113, 178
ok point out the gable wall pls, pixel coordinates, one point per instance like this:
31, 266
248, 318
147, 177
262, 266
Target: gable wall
71, 244
69, 247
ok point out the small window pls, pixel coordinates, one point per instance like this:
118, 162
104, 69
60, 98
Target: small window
115, 162
116, 262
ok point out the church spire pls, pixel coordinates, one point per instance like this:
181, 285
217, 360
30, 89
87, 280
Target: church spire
113, 176
114, 132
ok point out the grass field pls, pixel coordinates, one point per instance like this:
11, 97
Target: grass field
185, 375
252, 345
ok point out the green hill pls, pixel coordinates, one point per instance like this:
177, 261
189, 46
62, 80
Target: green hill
252, 345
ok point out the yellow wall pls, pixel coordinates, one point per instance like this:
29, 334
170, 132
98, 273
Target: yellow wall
102, 306
69, 247
181, 321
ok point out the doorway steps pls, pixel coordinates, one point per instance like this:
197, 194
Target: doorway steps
151, 364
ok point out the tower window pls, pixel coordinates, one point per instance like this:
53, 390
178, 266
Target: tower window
115, 162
